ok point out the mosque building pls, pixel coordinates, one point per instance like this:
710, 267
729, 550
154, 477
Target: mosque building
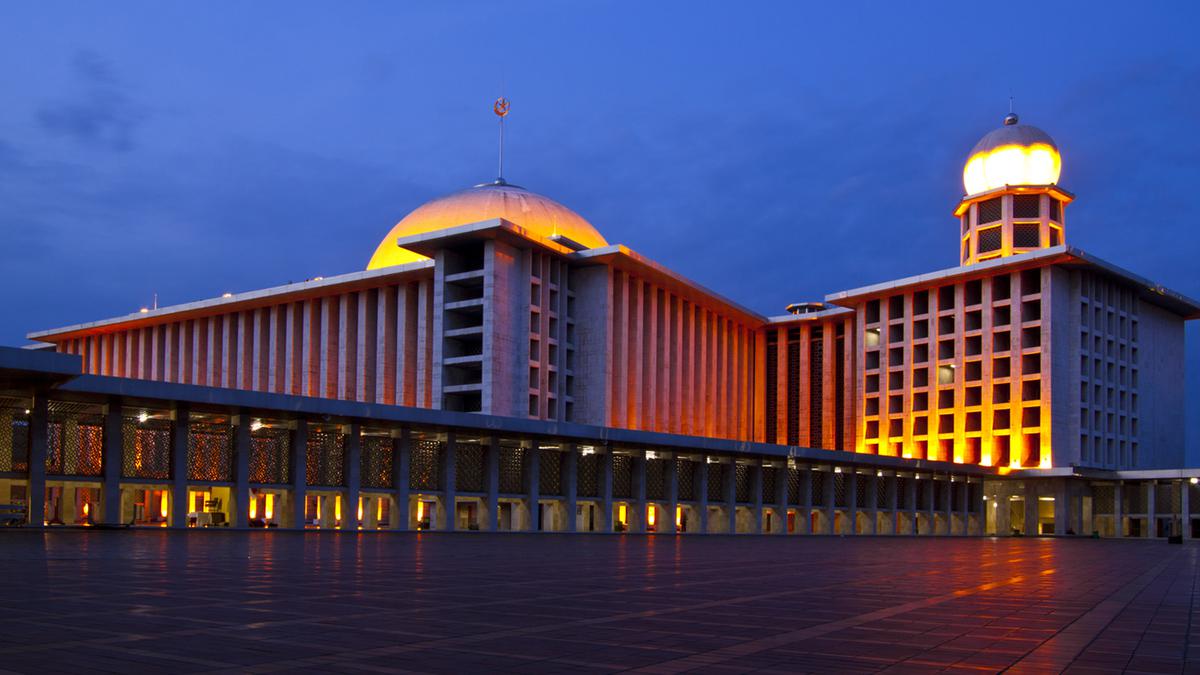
499, 365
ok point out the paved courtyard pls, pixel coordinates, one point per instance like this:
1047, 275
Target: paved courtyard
269, 602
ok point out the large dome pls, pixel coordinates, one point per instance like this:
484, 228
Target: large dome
1014, 154
541, 217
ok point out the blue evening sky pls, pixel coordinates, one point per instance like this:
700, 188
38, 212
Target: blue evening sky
771, 151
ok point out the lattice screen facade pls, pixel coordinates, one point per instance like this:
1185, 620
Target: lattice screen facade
622, 476
550, 473
14, 435
375, 464
270, 456
587, 481
469, 467
147, 446
325, 461
685, 472
210, 451
512, 470
75, 439
424, 468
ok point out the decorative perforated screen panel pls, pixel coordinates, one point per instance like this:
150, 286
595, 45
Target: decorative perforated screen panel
974, 494
742, 482
14, 435
860, 490
75, 439
512, 460
375, 464
269, 455
990, 239
881, 485
325, 458
147, 447
1027, 206
817, 485
550, 472
1134, 496
903, 500
840, 496
1055, 210
469, 467
989, 211
622, 476
793, 488
210, 451
587, 481
656, 478
1026, 235
939, 492
768, 484
685, 472
424, 468
1103, 499
1166, 498
955, 496
923, 495
716, 482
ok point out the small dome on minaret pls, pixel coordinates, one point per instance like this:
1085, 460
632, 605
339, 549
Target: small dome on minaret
1015, 154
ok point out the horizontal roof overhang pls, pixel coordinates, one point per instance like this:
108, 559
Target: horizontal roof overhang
303, 290
1057, 192
1065, 256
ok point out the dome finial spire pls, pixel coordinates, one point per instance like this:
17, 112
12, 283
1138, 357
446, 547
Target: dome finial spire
1011, 118
500, 107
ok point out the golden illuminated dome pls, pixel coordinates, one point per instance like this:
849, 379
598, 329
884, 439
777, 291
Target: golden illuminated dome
541, 217
1014, 154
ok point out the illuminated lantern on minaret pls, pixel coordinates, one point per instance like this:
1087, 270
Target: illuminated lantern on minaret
1013, 203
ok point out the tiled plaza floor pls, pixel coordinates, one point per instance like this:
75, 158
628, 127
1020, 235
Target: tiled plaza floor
473, 603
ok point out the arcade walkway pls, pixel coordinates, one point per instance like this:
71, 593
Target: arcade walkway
258, 602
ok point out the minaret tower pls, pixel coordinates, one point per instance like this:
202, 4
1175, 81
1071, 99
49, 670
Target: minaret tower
1013, 204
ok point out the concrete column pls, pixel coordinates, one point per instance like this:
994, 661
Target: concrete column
830, 505
1151, 509
1118, 510
606, 488
491, 481
401, 461
871, 507
1062, 506
569, 479
672, 473
179, 467
299, 455
804, 508
756, 497
39, 438
701, 478
911, 505
1185, 508
447, 515
241, 472
892, 502
114, 462
852, 479
1032, 527
532, 471
352, 475
781, 495
730, 494
638, 517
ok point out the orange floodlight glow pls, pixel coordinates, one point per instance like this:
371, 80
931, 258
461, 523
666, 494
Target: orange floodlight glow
621, 514
337, 507
650, 515
269, 510
379, 510
1036, 164
253, 508
360, 509
678, 516
162, 507
420, 511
